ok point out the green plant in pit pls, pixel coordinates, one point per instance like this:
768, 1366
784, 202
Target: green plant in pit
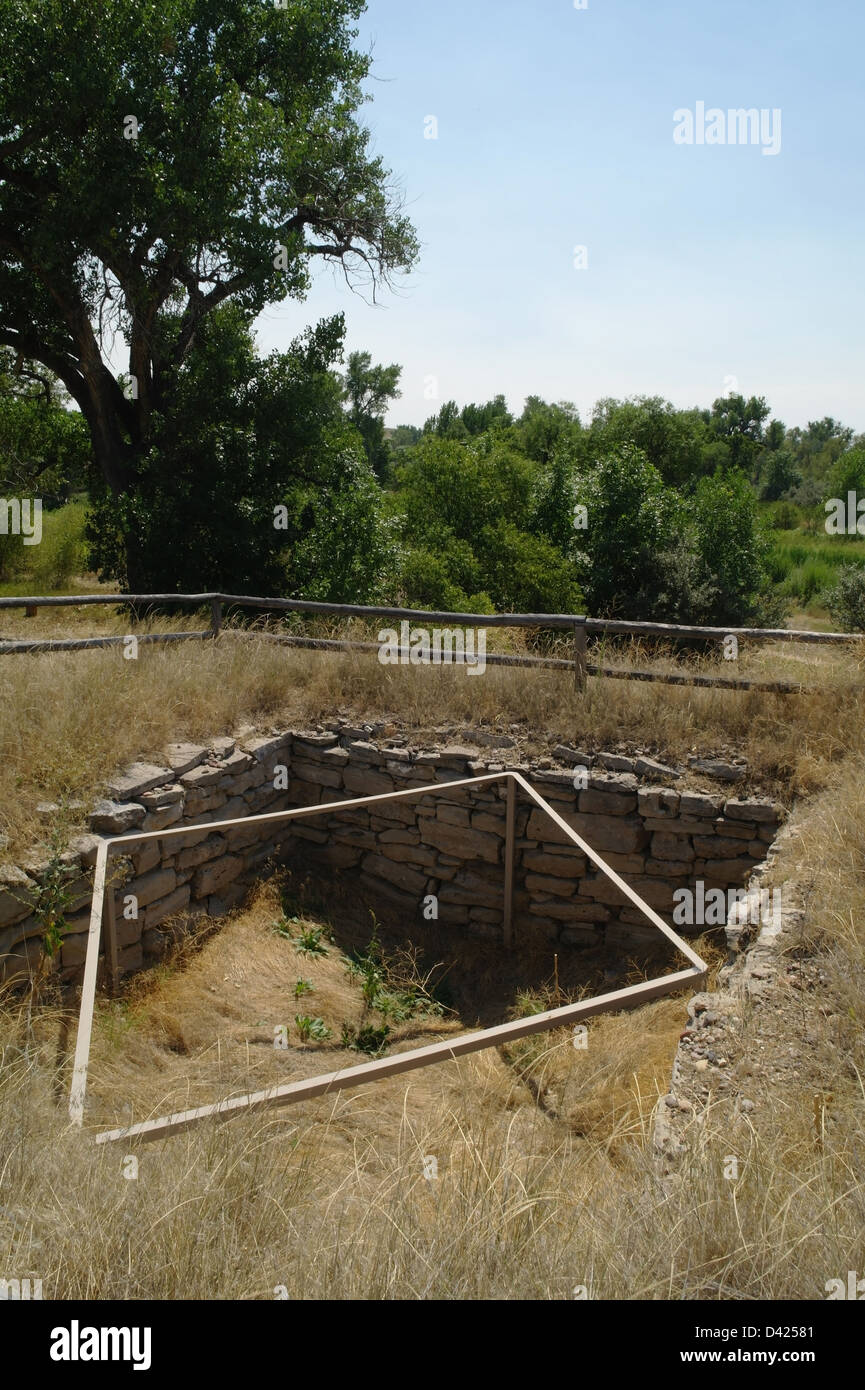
52, 897
283, 926
531, 1001
401, 1004
366, 1038
391, 986
308, 942
302, 987
311, 1028
368, 966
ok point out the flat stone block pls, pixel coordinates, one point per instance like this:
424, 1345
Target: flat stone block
152, 886
676, 847
116, 817
167, 907
140, 777
764, 812
183, 757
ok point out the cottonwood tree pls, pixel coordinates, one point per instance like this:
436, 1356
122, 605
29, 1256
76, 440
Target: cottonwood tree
158, 158
44, 449
367, 390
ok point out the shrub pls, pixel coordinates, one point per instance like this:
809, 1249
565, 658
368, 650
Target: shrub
784, 516
367, 1038
733, 547
526, 574
632, 519
846, 600
60, 554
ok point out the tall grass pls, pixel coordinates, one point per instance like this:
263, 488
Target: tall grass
804, 566
69, 720
544, 1183
50, 566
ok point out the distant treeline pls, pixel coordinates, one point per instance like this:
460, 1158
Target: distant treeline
278, 475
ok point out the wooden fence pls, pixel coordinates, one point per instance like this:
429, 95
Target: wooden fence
578, 624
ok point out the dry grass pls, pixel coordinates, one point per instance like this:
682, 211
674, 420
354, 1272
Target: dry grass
825, 855
544, 1178
68, 720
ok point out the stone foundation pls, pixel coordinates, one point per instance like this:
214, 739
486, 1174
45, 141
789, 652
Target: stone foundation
397, 856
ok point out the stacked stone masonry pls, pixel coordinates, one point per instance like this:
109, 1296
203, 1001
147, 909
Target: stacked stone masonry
394, 854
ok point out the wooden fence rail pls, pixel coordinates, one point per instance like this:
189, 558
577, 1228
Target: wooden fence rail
673, 631
578, 624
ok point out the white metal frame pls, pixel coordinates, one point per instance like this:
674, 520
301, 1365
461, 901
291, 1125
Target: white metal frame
102, 910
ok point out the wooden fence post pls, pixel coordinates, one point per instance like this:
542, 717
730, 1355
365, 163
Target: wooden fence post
215, 616
109, 923
508, 925
580, 656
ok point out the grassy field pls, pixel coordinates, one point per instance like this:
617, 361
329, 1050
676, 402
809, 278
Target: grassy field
55, 565
804, 565
70, 720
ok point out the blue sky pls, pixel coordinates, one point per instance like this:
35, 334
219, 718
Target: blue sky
709, 267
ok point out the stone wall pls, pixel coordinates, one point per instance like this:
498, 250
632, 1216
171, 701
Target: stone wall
396, 855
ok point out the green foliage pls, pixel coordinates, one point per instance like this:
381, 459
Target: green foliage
817, 449
459, 489
739, 424
246, 164
478, 419
846, 599
346, 548
387, 991
308, 942
552, 507
632, 520
314, 1029
44, 447
446, 424
52, 898
444, 580
733, 547
255, 482
367, 389
673, 441
525, 573
465, 509
283, 927
847, 475
544, 430
648, 552
530, 1001
404, 437
780, 475
368, 967
367, 1038
784, 516
51, 565
302, 987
